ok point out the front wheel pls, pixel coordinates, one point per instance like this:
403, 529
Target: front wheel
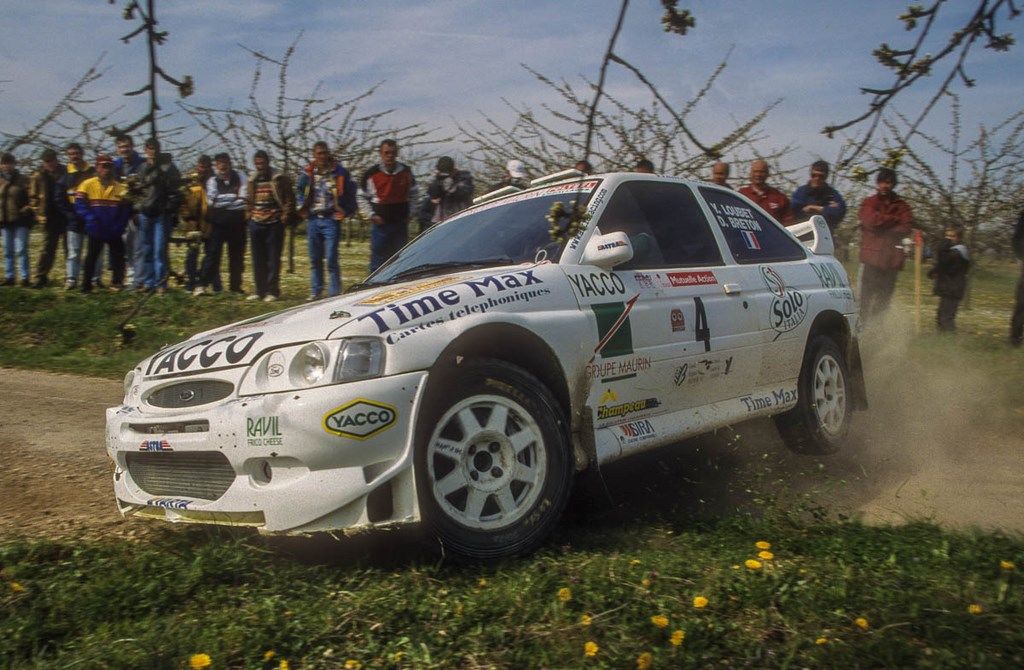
821, 420
493, 468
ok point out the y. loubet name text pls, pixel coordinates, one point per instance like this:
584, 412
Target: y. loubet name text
397, 314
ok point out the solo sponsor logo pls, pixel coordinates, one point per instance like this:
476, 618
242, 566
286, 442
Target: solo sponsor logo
778, 398
622, 409
597, 285
789, 306
397, 314
360, 419
206, 353
703, 278
263, 431
636, 432
155, 445
169, 503
678, 320
773, 280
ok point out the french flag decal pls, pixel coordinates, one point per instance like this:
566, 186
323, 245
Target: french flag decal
750, 239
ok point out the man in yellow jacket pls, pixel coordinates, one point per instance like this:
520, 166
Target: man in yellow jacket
192, 217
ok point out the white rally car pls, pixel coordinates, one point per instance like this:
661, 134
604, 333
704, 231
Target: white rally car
468, 380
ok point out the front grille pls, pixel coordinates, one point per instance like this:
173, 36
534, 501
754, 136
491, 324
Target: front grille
190, 393
192, 474
193, 426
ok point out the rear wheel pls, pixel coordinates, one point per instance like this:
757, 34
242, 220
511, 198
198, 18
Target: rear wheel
493, 468
821, 419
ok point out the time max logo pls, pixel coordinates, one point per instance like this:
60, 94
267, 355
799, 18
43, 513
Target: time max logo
396, 314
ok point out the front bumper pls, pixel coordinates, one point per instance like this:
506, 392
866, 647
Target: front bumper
327, 458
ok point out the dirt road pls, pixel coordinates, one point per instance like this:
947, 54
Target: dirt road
928, 449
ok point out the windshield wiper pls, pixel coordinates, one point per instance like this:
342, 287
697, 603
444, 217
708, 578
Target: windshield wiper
426, 269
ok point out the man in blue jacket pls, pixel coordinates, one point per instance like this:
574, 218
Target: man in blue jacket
326, 194
817, 197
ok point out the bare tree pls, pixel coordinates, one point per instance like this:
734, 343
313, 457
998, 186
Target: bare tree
910, 65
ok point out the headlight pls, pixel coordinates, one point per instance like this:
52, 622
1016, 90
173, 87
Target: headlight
314, 364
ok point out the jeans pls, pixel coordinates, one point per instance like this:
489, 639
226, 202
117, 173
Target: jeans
322, 234
151, 250
267, 240
15, 246
74, 264
385, 241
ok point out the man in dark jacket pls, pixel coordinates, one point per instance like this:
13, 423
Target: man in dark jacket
271, 201
885, 218
225, 199
127, 165
389, 191
45, 196
450, 192
817, 197
15, 219
157, 198
1017, 321
76, 172
950, 274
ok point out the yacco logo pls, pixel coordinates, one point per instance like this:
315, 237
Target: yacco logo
169, 503
773, 280
155, 445
597, 284
360, 419
396, 314
206, 353
613, 331
692, 278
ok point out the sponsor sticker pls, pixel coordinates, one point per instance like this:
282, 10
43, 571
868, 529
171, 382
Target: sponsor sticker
832, 279
611, 245
635, 432
609, 371
596, 285
678, 320
701, 278
155, 445
360, 419
615, 337
208, 354
692, 373
750, 240
754, 403
399, 293
789, 306
169, 503
263, 431
631, 407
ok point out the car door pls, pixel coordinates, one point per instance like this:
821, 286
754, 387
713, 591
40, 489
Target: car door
690, 328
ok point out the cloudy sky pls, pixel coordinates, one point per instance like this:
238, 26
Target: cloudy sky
447, 60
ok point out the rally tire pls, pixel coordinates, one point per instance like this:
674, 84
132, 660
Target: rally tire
821, 419
493, 465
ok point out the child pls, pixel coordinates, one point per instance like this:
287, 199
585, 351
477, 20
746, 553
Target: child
950, 273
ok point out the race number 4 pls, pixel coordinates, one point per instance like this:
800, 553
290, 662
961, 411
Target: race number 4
702, 331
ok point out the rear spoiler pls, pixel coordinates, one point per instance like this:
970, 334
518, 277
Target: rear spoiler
815, 235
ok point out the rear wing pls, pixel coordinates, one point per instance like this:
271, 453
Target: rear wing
815, 235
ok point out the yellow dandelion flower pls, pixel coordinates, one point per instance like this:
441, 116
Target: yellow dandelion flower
645, 582
761, 544
353, 664
586, 620
659, 620
17, 588
821, 641
590, 649
481, 583
752, 564
974, 608
862, 623
565, 594
1007, 565
700, 602
765, 555
677, 637
199, 661
644, 661
635, 561
283, 665
269, 655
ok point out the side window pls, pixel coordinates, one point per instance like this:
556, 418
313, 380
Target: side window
752, 236
664, 223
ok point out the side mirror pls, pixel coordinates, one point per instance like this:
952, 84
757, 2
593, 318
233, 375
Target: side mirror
607, 251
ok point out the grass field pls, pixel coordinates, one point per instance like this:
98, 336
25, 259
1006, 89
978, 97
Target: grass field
656, 586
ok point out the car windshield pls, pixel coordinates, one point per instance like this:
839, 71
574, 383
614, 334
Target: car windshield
509, 231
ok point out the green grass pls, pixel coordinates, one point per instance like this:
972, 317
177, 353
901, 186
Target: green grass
182, 592
382, 600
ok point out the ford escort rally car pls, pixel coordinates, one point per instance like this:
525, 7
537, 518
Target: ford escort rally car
471, 377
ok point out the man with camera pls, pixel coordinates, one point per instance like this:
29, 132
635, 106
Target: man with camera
450, 192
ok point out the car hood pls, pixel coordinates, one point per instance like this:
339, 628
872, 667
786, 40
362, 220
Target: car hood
372, 311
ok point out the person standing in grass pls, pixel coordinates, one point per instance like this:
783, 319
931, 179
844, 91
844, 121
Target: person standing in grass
15, 219
100, 203
77, 171
390, 191
885, 219
950, 275
45, 194
326, 195
192, 218
159, 196
1017, 320
271, 200
225, 200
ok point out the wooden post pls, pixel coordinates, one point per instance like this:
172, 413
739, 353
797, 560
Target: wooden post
918, 258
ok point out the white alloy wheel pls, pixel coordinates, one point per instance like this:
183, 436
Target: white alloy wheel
830, 395
486, 462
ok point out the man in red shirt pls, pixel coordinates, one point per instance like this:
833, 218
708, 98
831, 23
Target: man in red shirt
389, 192
771, 200
885, 219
